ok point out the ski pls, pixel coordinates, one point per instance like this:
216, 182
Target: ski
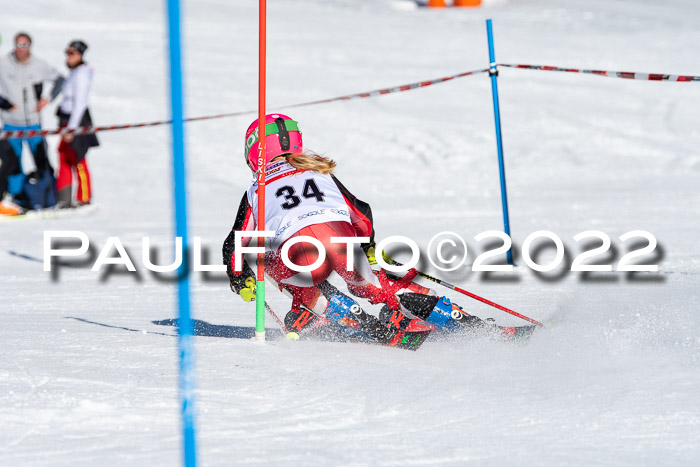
516, 333
52, 213
448, 318
478, 326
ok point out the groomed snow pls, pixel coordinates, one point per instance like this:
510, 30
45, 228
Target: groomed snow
88, 378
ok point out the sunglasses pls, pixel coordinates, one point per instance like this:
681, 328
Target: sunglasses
23, 45
71, 52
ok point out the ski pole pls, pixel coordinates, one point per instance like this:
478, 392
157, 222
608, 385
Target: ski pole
277, 318
468, 294
249, 294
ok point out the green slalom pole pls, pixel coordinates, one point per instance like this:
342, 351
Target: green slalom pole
260, 284
260, 310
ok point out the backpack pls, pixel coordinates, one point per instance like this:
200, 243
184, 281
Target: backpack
39, 192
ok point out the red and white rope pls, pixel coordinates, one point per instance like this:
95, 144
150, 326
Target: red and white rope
94, 129
360, 95
610, 74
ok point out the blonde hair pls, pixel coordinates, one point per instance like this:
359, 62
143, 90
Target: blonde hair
311, 161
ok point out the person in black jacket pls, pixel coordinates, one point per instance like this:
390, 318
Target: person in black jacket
8, 166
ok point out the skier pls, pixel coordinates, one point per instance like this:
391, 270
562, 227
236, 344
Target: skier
304, 198
73, 113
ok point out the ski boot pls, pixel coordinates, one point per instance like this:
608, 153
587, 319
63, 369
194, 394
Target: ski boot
342, 320
437, 311
346, 313
350, 320
405, 332
397, 330
305, 323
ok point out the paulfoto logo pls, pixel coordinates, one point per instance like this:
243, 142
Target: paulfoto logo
447, 251
114, 245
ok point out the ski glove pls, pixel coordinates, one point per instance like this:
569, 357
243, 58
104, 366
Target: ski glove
372, 255
247, 293
244, 284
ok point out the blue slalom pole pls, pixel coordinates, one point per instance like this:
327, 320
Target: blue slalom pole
493, 72
185, 329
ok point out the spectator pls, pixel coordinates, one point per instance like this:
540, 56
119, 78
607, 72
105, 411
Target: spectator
8, 165
22, 78
73, 113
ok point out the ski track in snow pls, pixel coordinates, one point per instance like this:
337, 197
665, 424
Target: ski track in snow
89, 377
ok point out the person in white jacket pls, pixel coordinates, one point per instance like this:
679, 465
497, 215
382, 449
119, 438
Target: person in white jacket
73, 113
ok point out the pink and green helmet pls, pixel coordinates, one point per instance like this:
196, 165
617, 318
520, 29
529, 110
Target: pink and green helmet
282, 136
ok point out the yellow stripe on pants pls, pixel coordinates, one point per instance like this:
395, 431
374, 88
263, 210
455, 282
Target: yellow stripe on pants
83, 180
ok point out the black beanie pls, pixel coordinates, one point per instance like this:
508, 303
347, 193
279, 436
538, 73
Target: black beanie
78, 45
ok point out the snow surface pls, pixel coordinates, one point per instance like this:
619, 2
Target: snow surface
88, 378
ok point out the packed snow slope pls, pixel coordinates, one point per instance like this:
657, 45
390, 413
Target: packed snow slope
88, 378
